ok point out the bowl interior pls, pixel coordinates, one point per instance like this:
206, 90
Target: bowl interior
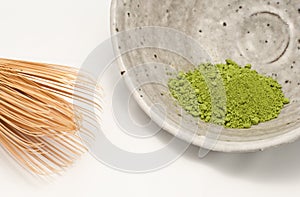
263, 33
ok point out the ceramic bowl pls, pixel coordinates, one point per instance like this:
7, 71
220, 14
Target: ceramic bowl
172, 35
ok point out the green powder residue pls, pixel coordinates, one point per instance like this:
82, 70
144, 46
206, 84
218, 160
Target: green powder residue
227, 94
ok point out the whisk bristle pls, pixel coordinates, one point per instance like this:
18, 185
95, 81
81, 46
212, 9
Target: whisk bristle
39, 124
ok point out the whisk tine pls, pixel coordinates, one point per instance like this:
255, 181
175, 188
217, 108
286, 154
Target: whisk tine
39, 127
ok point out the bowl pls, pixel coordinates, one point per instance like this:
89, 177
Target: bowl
156, 39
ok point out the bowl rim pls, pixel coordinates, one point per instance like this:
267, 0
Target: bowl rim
220, 146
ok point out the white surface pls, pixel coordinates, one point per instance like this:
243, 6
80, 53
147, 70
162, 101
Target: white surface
64, 32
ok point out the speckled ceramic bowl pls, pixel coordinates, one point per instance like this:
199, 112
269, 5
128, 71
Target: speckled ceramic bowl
265, 33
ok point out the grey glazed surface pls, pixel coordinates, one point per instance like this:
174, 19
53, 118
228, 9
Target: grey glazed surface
263, 33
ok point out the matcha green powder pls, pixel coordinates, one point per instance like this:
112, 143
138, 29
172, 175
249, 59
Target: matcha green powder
251, 98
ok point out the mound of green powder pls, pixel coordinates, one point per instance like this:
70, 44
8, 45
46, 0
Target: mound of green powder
251, 98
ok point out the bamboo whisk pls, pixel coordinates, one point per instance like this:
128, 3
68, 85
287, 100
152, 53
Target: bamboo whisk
38, 125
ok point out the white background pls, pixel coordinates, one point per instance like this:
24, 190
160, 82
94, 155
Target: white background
65, 32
